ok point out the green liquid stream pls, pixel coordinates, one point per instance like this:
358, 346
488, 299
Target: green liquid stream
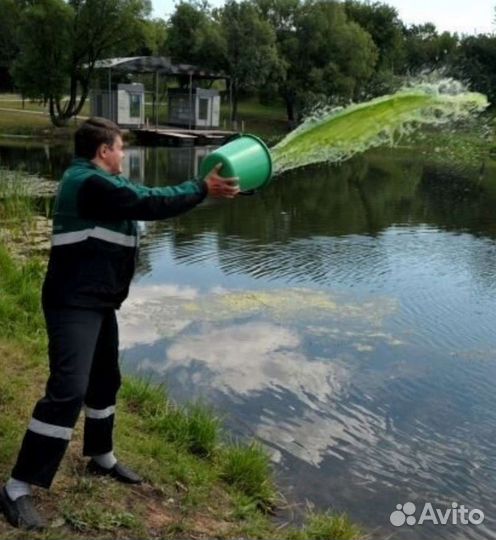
338, 135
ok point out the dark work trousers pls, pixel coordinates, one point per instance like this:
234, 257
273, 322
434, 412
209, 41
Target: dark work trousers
84, 371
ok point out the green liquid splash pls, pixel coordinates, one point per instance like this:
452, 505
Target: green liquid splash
337, 135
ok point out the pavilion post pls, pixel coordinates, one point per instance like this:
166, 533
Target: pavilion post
230, 104
155, 100
190, 97
109, 112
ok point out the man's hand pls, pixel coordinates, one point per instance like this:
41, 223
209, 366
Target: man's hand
219, 187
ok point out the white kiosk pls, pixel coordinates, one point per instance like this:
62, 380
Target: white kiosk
124, 104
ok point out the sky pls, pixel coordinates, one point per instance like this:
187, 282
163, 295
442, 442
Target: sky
462, 16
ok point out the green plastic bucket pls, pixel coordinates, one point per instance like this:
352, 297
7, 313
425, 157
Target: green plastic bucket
246, 157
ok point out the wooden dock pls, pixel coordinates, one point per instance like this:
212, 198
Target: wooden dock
171, 136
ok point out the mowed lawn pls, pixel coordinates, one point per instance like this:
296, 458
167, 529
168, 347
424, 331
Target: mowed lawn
31, 117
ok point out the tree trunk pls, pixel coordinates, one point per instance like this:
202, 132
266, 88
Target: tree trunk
55, 117
290, 110
234, 114
59, 115
68, 111
85, 90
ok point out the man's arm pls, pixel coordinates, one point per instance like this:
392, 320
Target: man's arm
103, 199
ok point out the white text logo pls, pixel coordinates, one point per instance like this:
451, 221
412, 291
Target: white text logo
454, 515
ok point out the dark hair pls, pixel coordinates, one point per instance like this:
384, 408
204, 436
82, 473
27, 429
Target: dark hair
92, 133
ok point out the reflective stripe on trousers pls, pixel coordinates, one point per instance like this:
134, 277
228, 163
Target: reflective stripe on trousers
84, 370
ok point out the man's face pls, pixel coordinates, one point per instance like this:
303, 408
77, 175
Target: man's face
113, 155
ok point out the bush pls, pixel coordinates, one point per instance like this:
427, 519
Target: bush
248, 469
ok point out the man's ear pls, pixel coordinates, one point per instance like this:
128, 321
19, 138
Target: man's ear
101, 150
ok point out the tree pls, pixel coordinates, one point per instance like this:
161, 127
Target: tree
283, 16
426, 49
251, 52
194, 36
9, 21
324, 55
45, 40
385, 27
475, 60
152, 40
183, 41
387, 31
333, 58
61, 42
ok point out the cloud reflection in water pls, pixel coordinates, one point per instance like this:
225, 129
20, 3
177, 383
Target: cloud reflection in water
305, 344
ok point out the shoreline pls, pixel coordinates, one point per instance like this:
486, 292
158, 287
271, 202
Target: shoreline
197, 485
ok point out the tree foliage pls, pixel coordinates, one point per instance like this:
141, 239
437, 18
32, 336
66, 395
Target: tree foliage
60, 42
151, 40
9, 22
194, 36
250, 52
300, 51
383, 24
336, 55
425, 48
475, 61
325, 55
45, 40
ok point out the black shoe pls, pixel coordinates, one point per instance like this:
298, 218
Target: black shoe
118, 471
21, 512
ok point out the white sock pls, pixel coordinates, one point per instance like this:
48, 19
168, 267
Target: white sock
107, 460
17, 488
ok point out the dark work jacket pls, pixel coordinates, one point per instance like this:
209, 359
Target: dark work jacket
95, 235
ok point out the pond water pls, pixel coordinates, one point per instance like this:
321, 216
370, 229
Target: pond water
344, 316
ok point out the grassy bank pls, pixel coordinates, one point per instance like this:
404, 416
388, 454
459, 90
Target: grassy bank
198, 482
32, 120
24, 124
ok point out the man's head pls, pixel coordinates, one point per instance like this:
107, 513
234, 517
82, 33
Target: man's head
100, 141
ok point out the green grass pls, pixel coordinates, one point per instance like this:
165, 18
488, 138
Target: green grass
470, 144
267, 121
8, 95
96, 518
324, 526
20, 228
247, 468
143, 397
23, 122
15, 102
15, 201
19, 123
20, 315
195, 427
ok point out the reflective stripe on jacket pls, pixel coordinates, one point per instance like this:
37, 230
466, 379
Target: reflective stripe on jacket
95, 237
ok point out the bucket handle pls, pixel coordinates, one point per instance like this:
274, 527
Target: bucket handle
229, 139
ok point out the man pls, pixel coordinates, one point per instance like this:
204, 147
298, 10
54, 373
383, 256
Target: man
91, 265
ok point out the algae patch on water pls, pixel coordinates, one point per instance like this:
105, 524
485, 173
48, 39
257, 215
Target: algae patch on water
339, 134
275, 303
157, 312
